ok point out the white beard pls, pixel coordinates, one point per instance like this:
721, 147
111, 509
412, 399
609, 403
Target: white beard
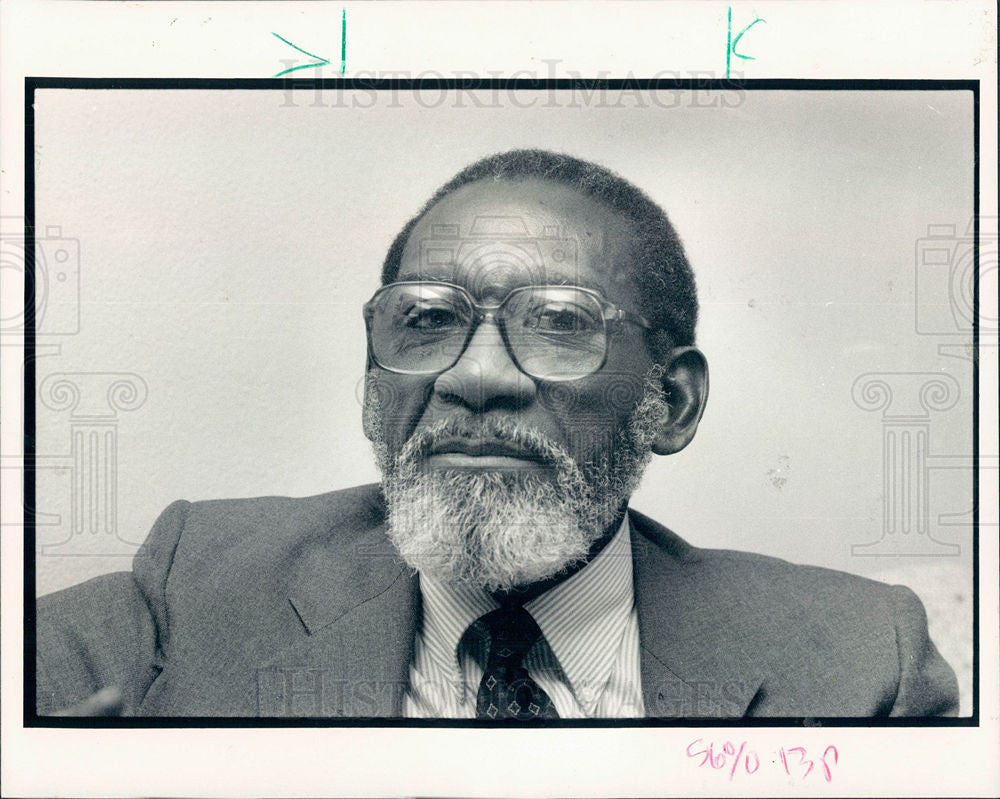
500, 530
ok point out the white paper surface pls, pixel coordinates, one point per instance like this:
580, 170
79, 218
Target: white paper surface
226, 239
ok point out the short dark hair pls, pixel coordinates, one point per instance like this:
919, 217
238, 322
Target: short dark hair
660, 269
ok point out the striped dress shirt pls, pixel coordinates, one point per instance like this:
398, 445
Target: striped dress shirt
587, 662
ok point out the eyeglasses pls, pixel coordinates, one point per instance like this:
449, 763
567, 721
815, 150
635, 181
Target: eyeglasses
551, 332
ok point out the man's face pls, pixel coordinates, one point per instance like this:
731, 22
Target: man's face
504, 235
483, 426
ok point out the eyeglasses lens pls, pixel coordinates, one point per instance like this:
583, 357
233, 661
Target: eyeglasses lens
555, 333
419, 327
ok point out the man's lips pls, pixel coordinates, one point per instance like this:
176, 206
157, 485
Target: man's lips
480, 446
481, 453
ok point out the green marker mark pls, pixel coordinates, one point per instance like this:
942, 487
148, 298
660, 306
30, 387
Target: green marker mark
343, 40
739, 36
731, 42
729, 36
322, 62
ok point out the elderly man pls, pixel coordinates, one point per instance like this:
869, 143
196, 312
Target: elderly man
531, 347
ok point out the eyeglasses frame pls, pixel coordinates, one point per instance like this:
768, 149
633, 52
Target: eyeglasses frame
612, 317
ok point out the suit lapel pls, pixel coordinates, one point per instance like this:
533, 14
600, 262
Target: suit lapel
694, 660
358, 606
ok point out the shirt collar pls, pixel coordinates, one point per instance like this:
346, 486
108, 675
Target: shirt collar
582, 618
448, 610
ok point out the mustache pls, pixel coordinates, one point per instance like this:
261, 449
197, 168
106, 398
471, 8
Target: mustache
499, 431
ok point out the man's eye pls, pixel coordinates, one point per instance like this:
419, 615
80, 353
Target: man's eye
560, 320
429, 318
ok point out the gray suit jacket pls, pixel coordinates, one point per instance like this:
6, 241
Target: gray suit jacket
300, 607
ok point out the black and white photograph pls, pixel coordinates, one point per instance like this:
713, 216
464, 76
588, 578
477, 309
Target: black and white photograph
511, 399
369, 403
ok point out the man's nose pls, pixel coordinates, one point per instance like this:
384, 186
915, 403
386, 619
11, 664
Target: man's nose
486, 375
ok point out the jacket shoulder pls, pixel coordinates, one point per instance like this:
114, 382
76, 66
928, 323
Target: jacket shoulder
355, 505
828, 641
280, 521
770, 576
752, 579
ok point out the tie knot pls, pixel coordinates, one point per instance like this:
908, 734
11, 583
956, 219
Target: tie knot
512, 633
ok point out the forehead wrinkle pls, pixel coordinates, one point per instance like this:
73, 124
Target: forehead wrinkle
603, 236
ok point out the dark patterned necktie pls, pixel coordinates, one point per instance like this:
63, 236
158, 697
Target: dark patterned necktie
506, 690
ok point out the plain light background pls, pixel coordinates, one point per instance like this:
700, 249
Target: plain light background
228, 239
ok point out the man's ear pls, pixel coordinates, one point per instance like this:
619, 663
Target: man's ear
685, 385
